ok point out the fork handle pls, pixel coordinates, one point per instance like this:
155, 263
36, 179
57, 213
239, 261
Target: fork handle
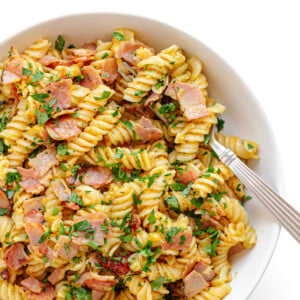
285, 214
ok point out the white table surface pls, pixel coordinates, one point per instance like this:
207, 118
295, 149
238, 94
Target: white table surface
261, 40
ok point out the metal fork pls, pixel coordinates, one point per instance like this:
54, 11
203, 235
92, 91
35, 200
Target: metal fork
285, 214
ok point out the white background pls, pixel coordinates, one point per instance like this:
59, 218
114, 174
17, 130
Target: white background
261, 40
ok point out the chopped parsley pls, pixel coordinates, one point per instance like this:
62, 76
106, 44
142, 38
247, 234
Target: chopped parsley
75, 198
42, 118
104, 95
220, 124
172, 202
171, 233
151, 217
60, 43
119, 36
40, 97
3, 211
156, 284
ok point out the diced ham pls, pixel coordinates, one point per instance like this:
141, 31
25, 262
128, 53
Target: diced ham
34, 216
179, 243
35, 203
4, 202
208, 221
97, 282
30, 179
32, 284
15, 257
13, 68
91, 79
73, 180
52, 61
48, 293
57, 275
96, 295
205, 270
118, 263
64, 243
145, 130
194, 283
95, 220
110, 70
16, 102
171, 91
127, 51
192, 100
91, 46
152, 98
140, 109
97, 176
236, 249
44, 161
188, 174
64, 128
81, 55
61, 189
9, 77
71, 205
35, 231
61, 91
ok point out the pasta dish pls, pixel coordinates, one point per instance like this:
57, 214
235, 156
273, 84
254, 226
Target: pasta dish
108, 186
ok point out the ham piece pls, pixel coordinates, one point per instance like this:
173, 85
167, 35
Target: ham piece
181, 241
188, 174
95, 221
15, 257
64, 128
48, 293
64, 243
52, 61
194, 283
30, 179
61, 189
35, 232
81, 55
35, 203
61, 91
146, 131
91, 79
34, 216
57, 275
44, 161
4, 202
110, 70
97, 176
97, 282
96, 295
127, 51
13, 68
32, 285
191, 99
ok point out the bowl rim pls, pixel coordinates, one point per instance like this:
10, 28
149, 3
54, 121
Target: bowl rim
280, 184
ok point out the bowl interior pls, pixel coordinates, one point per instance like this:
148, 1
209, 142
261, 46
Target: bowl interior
244, 116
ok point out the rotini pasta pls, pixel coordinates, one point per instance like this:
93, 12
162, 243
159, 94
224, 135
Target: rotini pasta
109, 188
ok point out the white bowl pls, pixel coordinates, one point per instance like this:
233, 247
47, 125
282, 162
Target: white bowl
244, 115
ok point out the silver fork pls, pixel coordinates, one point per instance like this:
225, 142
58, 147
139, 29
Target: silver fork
285, 214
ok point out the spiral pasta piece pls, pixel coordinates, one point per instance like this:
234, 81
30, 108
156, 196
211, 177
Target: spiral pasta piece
94, 133
10, 291
155, 69
243, 148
